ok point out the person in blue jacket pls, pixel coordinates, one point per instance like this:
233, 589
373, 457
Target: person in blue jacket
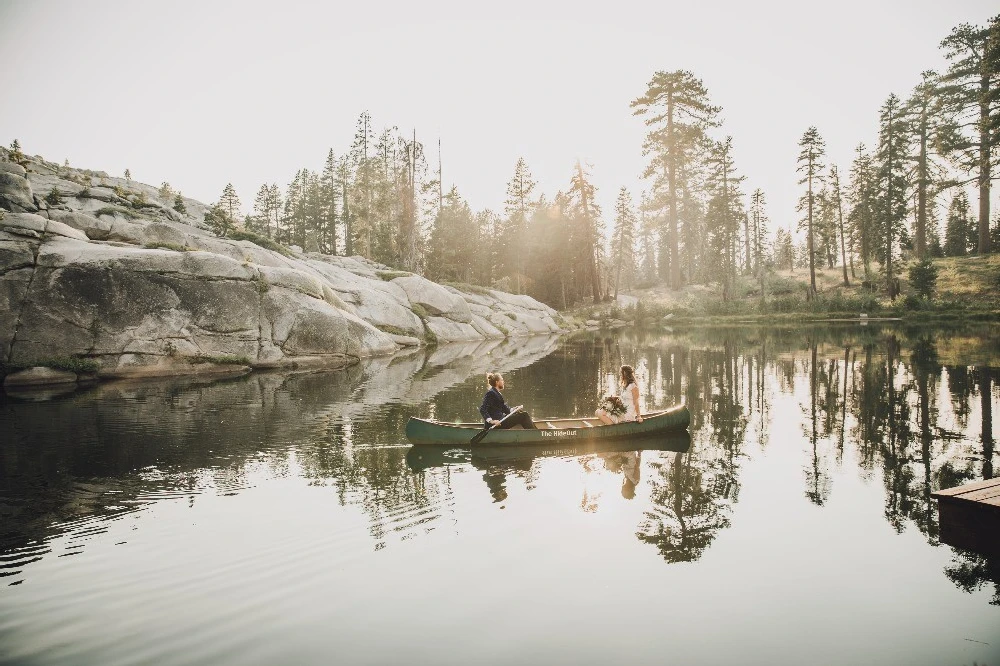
494, 408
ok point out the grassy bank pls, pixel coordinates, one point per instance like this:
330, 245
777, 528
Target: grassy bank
967, 288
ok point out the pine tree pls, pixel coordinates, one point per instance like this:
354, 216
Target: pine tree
128, 175
623, 240
929, 123
784, 250
972, 89
487, 255
758, 231
179, 204
261, 221
824, 226
345, 185
584, 210
230, 202
166, 193
363, 185
923, 277
225, 213
328, 198
385, 200
935, 248
862, 215
453, 242
293, 219
725, 211
647, 241
517, 207
693, 213
54, 197
959, 226
677, 112
413, 177
811, 165
16, 155
838, 206
890, 202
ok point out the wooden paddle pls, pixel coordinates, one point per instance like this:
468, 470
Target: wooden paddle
482, 433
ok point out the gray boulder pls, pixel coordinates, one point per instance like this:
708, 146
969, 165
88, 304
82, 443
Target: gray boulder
434, 298
11, 167
94, 228
42, 184
15, 193
446, 330
39, 376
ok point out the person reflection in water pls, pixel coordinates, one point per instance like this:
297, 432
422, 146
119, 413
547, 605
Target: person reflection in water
629, 464
494, 408
495, 475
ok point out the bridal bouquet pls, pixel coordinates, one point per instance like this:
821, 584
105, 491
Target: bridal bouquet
613, 405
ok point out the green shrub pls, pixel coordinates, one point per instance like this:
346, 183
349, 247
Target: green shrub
54, 197
923, 277
912, 302
392, 330
220, 359
166, 246
468, 288
511, 315
138, 201
257, 239
67, 363
262, 285
116, 210
392, 275
420, 311
782, 286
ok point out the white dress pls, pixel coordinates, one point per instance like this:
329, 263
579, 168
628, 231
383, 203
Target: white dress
630, 413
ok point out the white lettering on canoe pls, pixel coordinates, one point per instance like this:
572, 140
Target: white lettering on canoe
558, 433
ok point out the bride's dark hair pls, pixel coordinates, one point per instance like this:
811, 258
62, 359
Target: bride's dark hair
627, 375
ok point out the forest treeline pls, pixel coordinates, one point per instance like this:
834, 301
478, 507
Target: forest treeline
905, 197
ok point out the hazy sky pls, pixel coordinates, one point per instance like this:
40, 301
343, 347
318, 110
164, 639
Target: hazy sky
203, 93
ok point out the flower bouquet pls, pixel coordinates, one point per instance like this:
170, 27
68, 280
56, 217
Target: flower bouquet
613, 405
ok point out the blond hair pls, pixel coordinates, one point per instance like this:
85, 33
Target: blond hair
493, 378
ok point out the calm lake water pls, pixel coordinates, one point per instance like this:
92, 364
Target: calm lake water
282, 518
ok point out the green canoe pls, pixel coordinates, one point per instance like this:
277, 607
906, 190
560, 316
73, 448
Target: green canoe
425, 432
419, 458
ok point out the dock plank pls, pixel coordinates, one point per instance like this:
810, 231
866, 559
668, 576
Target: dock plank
967, 488
969, 516
980, 495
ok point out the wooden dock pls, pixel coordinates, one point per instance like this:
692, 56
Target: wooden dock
970, 516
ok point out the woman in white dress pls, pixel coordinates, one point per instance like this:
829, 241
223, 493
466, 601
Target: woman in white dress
629, 396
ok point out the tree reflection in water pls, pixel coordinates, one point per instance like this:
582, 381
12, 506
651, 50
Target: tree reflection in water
912, 406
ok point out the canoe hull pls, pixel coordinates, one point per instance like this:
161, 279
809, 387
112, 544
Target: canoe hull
423, 432
425, 457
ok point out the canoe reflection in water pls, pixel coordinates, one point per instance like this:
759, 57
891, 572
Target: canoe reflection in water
624, 456
629, 463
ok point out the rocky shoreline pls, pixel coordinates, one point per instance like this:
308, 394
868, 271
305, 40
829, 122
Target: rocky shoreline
101, 280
